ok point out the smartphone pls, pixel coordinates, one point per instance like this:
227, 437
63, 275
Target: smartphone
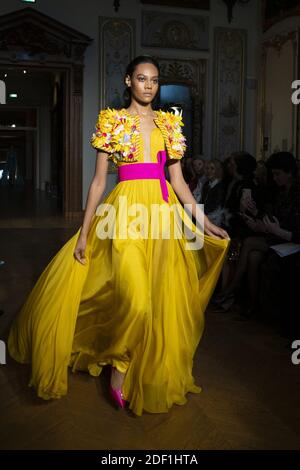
247, 193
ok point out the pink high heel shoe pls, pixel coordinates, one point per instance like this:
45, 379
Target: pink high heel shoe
117, 395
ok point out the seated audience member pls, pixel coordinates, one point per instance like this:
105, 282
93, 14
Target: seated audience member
241, 167
201, 178
189, 172
213, 193
280, 223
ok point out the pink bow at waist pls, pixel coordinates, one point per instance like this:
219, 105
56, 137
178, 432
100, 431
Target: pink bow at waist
140, 171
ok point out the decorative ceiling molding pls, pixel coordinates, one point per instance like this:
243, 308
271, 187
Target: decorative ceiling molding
279, 40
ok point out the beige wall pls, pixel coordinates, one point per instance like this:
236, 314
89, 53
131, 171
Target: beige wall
277, 115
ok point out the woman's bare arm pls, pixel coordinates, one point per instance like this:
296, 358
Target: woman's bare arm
96, 190
184, 194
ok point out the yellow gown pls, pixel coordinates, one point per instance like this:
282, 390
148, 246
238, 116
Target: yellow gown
137, 304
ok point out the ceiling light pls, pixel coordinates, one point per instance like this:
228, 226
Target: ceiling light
13, 95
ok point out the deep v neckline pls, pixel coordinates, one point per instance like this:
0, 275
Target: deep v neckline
142, 140
143, 145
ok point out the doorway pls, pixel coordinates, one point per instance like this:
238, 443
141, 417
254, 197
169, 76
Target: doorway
35, 42
179, 96
31, 143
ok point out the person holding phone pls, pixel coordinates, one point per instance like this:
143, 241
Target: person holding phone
239, 191
278, 223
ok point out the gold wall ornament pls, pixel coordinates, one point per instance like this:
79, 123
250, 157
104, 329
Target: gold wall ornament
229, 79
175, 31
117, 38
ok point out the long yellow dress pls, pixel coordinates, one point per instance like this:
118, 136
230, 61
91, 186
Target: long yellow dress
137, 304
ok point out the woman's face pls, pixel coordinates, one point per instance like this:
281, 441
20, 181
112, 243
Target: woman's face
198, 166
281, 178
211, 172
206, 168
231, 167
143, 83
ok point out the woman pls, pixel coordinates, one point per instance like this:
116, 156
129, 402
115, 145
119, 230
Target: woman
213, 193
278, 223
241, 167
132, 302
200, 178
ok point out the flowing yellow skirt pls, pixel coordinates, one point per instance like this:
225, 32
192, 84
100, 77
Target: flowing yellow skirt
138, 304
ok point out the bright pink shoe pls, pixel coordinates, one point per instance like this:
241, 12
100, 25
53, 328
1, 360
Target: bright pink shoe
117, 396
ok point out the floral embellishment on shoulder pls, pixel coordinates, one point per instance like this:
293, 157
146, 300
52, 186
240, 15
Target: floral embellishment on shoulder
117, 133
170, 125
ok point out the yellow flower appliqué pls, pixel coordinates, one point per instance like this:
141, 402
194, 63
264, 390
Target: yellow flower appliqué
117, 133
170, 125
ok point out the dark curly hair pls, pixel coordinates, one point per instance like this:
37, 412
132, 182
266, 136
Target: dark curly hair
245, 164
284, 161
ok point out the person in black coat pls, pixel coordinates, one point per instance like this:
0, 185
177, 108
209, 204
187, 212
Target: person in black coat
213, 193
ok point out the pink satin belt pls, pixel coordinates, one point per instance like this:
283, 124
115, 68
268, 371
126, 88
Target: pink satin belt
140, 171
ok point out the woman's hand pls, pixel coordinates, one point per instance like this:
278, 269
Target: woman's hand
214, 231
79, 252
273, 227
248, 205
254, 225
